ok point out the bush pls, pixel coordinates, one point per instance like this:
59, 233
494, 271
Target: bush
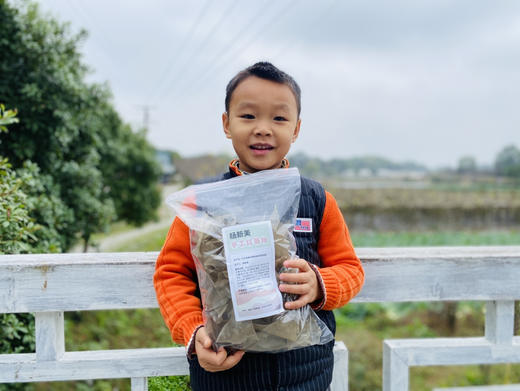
17, 235
170, 383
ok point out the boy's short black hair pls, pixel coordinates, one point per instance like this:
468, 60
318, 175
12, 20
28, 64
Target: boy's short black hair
264, 70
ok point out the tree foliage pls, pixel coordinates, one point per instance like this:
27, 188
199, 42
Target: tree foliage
467, 165
86, 157
23, 195
7, 117
16, 227
70, 166
507, 162
312, 166
131, 174
17, 234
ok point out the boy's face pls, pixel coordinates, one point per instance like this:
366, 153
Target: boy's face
262, 123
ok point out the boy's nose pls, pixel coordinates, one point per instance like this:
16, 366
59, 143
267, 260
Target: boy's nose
263, 130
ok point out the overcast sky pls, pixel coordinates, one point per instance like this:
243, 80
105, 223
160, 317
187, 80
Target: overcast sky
428, 81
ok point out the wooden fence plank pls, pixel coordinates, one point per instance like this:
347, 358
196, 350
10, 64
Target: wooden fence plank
395, 370
130, 363
139, 384
503, 387
500, 321
340, 372
50, 336
100, 364
41, 283
454, 351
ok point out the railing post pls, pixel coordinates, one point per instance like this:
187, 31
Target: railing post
139, 384
395, 370
50, 336
500, 320
340, 372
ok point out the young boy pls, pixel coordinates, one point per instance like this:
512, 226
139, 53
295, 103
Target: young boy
262, 120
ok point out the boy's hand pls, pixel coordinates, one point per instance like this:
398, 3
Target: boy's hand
303, 283
208, 359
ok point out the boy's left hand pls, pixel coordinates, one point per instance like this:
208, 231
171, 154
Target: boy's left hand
304, 283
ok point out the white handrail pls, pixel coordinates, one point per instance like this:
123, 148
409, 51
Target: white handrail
42, 283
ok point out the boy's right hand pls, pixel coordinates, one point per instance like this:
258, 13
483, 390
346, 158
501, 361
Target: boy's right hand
213, 361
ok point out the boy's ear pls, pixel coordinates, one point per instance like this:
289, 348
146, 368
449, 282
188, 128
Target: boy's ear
296, 130
225, 124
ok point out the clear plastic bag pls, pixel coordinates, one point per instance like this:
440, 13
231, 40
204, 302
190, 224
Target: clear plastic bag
273, 196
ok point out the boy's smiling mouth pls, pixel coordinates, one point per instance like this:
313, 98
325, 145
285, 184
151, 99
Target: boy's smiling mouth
261, 147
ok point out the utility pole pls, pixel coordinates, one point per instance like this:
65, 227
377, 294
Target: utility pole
146, 115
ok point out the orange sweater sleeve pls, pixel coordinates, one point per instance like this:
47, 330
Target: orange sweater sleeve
175, 285
341, 271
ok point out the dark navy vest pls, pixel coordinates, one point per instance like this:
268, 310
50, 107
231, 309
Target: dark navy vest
305, 369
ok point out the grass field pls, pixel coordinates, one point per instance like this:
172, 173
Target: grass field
154, 240
437, 238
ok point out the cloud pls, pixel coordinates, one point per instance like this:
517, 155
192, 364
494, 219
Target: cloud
427, 81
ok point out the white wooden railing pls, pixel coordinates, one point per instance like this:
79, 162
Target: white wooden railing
49, 284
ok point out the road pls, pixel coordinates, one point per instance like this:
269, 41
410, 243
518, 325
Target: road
111, 241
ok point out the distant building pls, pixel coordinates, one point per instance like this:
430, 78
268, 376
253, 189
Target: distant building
385, 173
192, 169
168, 170
401, 174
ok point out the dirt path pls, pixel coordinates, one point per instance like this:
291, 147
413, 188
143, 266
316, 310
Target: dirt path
111, 241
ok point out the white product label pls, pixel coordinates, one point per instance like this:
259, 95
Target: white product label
250, 261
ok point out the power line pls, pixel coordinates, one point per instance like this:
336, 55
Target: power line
234, 41
180, 49
290, 46
171, 86
77, 12
93, 21
223, 60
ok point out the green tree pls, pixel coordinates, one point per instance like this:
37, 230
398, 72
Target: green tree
467, 165
16, 226
17, 234
45, 83
7, 117
507, 162
21, 194
89, 159
132, 175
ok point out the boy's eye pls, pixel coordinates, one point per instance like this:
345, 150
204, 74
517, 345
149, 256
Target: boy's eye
280, 118
247, 116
